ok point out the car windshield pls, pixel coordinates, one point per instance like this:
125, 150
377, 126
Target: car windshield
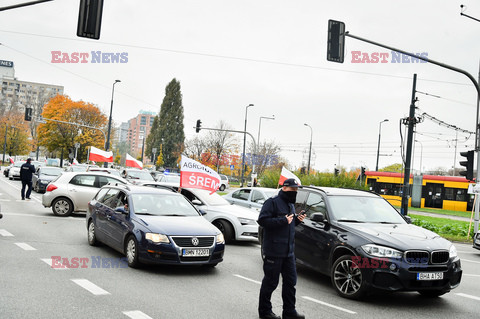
364, 210
78, 168
271, 193
162, 205
18, 164
210, 199
51, 171
140, 175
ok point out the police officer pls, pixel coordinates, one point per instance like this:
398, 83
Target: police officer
26, 172
278, 220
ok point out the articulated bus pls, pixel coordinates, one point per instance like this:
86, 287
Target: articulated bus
444, 192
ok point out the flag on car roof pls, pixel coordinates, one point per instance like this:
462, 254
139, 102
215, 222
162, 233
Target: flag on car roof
132, 162
98, 155
286, 174
11, 160
196, 175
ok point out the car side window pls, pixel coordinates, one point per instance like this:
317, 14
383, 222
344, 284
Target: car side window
315, 204
83, 180
100, 194
241, 194
300, 201
104, 180
110, 199
256, 196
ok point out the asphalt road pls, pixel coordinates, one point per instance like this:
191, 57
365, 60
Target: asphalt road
32, 286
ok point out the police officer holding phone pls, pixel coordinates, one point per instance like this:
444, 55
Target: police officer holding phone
278, 220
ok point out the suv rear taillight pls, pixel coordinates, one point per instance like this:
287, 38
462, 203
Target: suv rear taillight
51, 187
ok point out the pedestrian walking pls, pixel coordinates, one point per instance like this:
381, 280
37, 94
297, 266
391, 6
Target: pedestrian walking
278, 220
26, 172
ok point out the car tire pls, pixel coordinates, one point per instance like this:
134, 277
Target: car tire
35, 188
131, 252
226, 228
432, 293
222, 188
62, 207
347, 278
92, 237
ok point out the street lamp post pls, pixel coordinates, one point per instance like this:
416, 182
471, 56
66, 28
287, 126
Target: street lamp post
379, 136
260, 124
107, 144
338, 165
5, 143
310, 151
421, 156
244, 141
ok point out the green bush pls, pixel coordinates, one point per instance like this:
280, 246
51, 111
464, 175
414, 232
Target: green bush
271, 177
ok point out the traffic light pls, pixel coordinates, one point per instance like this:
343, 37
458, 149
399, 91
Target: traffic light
199, 126
468, 165
336, 171
28, 114
336, 41
90, 19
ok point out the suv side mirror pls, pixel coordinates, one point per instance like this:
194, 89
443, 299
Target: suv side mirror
196, 202
318, 217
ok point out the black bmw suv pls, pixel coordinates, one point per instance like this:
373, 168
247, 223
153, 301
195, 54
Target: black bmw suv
364, 244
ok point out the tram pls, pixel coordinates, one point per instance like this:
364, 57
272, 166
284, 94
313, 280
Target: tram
429, 191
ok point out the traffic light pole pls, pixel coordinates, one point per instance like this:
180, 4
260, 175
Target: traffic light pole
233, 131
446, 66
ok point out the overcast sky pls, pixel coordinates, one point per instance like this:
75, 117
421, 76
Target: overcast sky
270, 53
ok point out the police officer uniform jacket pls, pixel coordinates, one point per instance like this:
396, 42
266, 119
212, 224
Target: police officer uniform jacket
26, 171
278, 234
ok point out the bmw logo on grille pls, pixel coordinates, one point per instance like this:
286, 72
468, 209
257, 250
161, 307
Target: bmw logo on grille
195, 241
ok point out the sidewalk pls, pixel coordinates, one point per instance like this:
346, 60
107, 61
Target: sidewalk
415, 212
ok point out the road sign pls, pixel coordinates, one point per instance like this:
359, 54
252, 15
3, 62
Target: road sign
232, 167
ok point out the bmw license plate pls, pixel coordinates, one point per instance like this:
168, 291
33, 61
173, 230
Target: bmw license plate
430, 276
195, 252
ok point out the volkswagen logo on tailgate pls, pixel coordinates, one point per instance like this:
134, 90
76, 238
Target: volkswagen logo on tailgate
195, 241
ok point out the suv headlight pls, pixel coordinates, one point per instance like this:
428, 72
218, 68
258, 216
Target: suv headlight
157, 238
453, 251
220, 238
246, 221
381, 251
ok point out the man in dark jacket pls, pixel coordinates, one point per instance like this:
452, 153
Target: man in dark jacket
26, 172
278, 220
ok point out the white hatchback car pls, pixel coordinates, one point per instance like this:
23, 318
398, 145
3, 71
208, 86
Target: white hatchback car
71, 191
251, 197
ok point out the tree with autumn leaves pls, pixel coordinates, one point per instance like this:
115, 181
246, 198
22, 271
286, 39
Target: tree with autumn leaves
16, 138
60, 137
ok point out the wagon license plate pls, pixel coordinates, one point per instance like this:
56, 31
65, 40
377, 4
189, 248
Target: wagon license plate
195, 252
430, 276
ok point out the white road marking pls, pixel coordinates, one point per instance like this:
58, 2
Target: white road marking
5, 233
25, 246
5, 200
43, 216
329, 305
48, 261
136, 314
468, 296
90, 286
470, 261
248, 279
468, 252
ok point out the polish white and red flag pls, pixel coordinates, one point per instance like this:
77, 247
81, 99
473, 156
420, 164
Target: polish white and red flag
196, 175
11, 160
132, 162
286, 174
98, 155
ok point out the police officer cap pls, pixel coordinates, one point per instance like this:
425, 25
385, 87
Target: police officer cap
290, 182
29, 160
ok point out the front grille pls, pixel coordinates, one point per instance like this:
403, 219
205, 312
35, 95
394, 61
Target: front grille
416, 257
440, 257
186, 241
